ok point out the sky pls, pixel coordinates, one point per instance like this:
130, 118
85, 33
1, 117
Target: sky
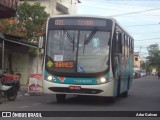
141, 18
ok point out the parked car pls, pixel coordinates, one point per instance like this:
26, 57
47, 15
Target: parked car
154, 73
136, 74
143, 74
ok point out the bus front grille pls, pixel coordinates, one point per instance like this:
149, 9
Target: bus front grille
82, 90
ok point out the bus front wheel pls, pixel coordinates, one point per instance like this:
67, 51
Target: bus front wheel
60, 98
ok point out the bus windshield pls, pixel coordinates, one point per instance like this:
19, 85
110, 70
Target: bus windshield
77, 51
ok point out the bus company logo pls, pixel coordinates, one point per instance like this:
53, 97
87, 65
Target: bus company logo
83, 81
6, 114
61, 79
75, 81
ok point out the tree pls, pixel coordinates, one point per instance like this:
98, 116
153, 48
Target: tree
8, 26
29, 23
32, 19
154, 57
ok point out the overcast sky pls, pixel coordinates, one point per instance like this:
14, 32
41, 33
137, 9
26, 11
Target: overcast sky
142, 20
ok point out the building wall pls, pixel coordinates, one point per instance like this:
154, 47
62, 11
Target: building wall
137, 62
8, 8
20, 64
50, 5
35, 64
16, 60
70, 4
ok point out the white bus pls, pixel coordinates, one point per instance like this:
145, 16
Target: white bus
87, 55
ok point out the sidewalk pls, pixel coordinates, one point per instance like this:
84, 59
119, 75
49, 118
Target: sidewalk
24, 88
23, 91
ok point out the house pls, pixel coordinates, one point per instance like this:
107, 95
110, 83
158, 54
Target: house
14, 51
137, 64
8, 8
56, 7
16, 57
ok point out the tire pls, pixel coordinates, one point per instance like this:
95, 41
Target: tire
60, 98
118, 87
125, 94
11, 96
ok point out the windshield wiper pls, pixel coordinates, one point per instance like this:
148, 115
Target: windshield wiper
68, 35
88, 39
70, 38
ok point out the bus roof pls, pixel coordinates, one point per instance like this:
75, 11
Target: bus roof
92, 16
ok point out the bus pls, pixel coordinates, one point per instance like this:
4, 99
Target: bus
87, 55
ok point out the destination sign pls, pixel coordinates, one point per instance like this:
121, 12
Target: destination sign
80, 22
64, 64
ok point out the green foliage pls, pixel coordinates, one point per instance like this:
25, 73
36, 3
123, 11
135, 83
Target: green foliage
153, 59
32, 18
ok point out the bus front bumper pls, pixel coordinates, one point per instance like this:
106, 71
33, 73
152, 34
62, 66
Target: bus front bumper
106, 89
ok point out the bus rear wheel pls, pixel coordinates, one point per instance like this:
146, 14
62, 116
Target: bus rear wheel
125, 94
119, 86
60, 98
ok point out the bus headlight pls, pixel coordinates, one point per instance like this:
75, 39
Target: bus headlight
49, 78
102, 80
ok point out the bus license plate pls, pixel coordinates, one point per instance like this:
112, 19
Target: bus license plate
75, 87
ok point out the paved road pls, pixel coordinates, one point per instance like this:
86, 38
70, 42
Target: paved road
143, 96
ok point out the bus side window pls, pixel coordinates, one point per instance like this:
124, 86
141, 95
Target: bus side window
123, 44
127, 49
132, 47
129, 46
120, 43
116, 44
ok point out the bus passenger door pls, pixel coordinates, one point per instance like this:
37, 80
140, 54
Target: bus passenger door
117, 55
117, 60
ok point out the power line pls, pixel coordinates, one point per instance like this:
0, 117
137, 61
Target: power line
113, 2
141, 25
146, 39
134, 12
141, 47
147, 32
